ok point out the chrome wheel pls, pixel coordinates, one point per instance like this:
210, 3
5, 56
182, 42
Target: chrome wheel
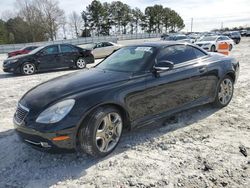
81, 63
28, 69
108, 132
225, 91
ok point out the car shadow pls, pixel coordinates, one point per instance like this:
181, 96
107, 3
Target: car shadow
8, 75
11, 75
28, 166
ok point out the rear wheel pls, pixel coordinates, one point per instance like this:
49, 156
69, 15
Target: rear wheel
224, 92
28, 69
102, 131
81, 63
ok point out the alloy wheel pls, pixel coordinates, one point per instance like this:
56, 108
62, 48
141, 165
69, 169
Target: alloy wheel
28, 69
225, 91
81, 63
108, 132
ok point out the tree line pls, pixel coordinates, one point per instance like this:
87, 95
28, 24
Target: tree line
102, 18
42, 20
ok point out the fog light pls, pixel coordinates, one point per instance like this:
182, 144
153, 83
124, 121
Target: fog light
45, 144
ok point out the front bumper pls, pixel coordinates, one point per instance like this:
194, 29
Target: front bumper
43, 141
11, 68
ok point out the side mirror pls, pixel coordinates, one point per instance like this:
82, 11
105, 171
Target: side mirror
163, 66
41, 53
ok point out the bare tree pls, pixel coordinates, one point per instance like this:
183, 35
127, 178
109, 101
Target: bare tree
52, 14
8, 14
75, 22
34, 18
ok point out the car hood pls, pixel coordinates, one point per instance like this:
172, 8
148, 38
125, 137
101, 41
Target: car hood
205, 42
19, 56
70, 84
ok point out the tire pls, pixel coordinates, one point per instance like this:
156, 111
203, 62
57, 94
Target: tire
213, 49
28, 69
231, 47
81, 63
101, 132
224, 95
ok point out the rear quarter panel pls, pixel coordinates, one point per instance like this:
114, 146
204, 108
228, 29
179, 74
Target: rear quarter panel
218, 66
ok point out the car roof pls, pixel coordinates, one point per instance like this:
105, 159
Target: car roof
160, 44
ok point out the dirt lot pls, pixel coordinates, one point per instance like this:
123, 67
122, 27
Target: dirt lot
199, 148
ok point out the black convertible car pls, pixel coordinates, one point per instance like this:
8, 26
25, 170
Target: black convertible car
136, 85
49, 57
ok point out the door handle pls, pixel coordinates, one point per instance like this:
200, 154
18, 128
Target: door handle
202, 69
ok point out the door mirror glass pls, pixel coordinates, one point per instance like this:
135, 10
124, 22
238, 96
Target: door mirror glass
162, 66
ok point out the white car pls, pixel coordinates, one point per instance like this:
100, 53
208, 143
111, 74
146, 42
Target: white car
210, 43
102, 49
179, 38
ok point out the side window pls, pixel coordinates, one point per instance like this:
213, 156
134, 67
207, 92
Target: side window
106, 44
99, 45
29, 48
199, 53
67, 48
220, 39
51, 50
179, 54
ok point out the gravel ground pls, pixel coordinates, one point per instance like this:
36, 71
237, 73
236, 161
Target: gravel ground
197, 148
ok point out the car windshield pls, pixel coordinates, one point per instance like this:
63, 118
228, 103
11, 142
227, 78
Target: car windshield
128, 59
89, 46
209, 38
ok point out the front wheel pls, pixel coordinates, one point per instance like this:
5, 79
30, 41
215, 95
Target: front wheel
224, 92
81, 63
101, 131
28, 69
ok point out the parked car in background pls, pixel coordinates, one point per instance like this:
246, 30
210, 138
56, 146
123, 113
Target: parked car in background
235, 35
134, 86
243, 33
102, 49
210, 43
248, 33
164, 35
179, 38
47, 58
24, 50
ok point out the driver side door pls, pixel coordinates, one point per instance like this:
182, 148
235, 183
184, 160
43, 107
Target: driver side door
49, 58
179, 87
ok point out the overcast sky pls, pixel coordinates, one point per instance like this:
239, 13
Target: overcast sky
206, 14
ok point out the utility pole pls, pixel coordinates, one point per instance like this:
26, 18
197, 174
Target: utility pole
221, 25
192, 25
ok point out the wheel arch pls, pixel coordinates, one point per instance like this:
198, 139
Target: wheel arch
231, 75
121, 108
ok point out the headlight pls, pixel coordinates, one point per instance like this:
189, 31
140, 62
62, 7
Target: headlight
56, 112
12, 61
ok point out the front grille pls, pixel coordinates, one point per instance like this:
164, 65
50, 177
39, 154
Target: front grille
20, 114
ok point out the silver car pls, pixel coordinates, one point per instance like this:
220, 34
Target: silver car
102, 49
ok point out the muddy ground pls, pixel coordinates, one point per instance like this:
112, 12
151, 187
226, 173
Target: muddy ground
197, 148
